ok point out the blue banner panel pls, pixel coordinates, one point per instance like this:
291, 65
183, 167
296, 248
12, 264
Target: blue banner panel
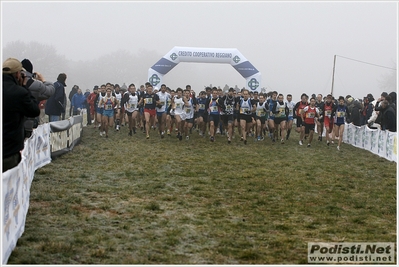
246, 69
163, 66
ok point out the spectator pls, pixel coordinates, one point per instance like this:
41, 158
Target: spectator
42, 106
74, 90
374, 121
354, 109
18, 103
378, 108
367, 109
87, 106
40, 89
90, 100
388, 118
393, 96
55, 104
78, 102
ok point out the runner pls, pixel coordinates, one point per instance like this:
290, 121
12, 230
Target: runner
201, 112
227, 113
141, 118
150, 101
280, 111
272, 129
319, 122
108, 102
189, 107
300, 127
213, 105
178, 112
130, 102
254, 101
261, 114
170, 119
118, 114
308, 115
290, 119
246, 108
326, 111
162, 109
339, 114
99, 109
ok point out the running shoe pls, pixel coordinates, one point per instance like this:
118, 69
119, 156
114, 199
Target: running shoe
148, 136
258, 138
101, 133
245, 142
168, 132
308, 145
228, 140
180, 137
187, 137
282, 141
328, 143
130, 133
300, 142
338, 148
117, 127
212, 139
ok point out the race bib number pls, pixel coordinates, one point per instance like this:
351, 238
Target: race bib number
188, 110
202, 106
281, 112
108, 106
260, 113
229, 108
148, 101
310, 115
178, 105
214, 109
162, 103
131, 106
291, 113
244, 110
327, 113
340, 114
300, 111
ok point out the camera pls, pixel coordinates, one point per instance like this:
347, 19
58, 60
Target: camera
34, 75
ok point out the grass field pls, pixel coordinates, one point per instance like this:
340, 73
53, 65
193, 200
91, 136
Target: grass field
128, 200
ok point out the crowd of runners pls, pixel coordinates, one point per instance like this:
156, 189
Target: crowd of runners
249, 114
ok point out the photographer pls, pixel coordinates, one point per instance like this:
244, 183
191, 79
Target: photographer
39, 88
18, 103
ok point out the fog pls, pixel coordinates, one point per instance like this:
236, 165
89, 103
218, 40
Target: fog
292, 44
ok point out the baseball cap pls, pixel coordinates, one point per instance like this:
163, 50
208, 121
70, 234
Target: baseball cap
12, 65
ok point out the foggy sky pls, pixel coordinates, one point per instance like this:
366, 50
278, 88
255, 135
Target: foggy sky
291, 43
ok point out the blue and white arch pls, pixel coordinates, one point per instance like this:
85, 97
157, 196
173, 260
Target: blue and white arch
206, 55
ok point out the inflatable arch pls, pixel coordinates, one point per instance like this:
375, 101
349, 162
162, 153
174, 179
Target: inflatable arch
205, 55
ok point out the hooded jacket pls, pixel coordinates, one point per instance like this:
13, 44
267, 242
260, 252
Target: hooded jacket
55, 104
18, 103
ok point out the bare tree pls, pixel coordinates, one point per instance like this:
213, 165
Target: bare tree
44, 58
